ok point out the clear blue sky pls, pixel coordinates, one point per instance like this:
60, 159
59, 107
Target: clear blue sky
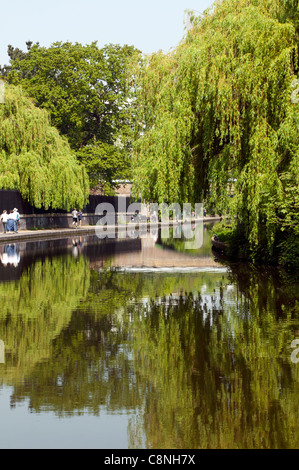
149, 26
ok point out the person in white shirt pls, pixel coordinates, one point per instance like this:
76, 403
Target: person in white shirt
4, 218
75, 217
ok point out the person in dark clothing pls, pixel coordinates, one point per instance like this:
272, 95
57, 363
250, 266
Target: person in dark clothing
80, 217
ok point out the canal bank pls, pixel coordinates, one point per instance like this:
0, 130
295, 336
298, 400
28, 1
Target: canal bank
38, 234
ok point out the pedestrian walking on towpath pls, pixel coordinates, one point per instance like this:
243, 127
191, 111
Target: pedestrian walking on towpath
4, 218
10, 226
75, 217
80, 216
16, 219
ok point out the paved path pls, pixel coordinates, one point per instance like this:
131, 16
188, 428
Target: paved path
27, 235
49, 233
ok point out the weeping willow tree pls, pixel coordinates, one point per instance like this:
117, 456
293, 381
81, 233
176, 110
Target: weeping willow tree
217, 112
35, 159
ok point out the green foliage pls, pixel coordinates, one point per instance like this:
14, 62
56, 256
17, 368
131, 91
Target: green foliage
87, 93
15, 54
104, 164
217, 110
163, 152
289, 252
35, 159
83, 87
232, 235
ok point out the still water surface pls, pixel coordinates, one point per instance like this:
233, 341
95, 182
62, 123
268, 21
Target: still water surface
140, 343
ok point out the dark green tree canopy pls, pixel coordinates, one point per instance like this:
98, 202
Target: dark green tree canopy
83, 87
105, 164
87, 93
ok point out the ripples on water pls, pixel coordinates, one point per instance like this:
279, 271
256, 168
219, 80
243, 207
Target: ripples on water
140, 344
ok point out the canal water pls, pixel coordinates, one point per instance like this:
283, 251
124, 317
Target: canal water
143, 343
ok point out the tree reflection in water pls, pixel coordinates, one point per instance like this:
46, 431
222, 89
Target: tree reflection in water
199, 360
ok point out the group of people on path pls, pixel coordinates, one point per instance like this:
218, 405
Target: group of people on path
10, 220
77, 217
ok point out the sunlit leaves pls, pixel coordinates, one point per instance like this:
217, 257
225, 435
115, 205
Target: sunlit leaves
35, 159
218, 109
